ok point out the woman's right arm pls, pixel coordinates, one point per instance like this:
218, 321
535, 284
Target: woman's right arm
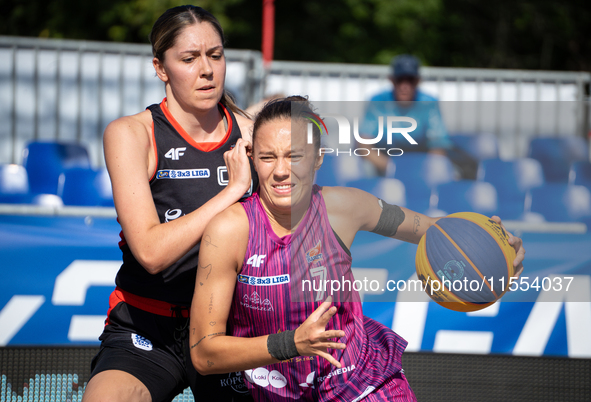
212, 351
128, 149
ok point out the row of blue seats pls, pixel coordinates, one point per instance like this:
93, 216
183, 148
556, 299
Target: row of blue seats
64, 170
556, 155
515, 189
55, 173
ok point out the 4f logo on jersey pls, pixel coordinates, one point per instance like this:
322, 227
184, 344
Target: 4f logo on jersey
175, 153
256, 260
314, 253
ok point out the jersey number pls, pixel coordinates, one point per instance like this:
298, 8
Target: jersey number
319, 272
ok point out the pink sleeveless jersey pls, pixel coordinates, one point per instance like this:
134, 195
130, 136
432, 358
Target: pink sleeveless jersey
280, 286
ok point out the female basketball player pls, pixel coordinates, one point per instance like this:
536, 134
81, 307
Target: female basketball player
260, 253
173, 167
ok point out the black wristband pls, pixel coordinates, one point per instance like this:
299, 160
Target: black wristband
390, 218
282, 345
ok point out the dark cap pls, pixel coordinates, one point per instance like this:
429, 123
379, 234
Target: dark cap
405, 65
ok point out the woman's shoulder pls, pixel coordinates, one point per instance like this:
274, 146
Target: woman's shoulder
231, 225
232, 218
139, 123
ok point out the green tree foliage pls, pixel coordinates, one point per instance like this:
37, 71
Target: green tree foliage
529, 34
105, 20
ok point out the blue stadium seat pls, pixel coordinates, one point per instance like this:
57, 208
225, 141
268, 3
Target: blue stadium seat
45, 161
14, 184
390, 190
421, 173
48, 200
557, 154
512, 180
338, 170
85, 187
480, 146
559, 202
580, 173
467, 196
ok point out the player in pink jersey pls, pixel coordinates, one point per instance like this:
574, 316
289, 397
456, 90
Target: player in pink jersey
250, 310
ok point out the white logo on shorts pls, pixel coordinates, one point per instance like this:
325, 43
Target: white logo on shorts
277, 379
309, 381
260, 376
141, 343
263, 378
367, 391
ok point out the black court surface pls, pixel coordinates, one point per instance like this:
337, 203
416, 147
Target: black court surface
60, 374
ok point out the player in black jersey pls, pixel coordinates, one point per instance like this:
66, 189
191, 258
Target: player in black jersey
173, 167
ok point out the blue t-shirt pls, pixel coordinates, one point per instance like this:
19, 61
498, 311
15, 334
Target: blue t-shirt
429, 134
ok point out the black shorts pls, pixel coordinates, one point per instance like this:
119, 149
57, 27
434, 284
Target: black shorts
155, 350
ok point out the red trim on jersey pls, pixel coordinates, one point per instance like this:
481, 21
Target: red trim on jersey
143, 303
155, 152
202, 146
122, 242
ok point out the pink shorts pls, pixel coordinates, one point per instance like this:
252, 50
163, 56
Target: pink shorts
396, 389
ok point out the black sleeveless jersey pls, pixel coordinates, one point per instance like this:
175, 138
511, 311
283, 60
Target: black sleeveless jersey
186, 177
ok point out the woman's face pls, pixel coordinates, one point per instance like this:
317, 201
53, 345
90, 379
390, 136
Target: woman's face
194, 69
285, 164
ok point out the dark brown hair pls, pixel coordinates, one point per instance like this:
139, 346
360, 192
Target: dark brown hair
169, 26
292, 107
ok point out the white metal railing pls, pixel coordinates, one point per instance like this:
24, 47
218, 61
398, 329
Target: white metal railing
515, 105
357, 82
70, 90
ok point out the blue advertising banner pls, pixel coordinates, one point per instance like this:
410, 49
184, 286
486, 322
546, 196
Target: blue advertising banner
57, 274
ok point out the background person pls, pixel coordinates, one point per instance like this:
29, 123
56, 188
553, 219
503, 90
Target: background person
406, 99
259, 252
173, 167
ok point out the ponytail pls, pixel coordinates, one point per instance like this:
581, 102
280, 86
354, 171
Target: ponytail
228, 101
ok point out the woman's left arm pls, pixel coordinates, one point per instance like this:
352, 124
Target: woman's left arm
351, 210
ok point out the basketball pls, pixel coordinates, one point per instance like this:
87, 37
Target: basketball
465, 261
